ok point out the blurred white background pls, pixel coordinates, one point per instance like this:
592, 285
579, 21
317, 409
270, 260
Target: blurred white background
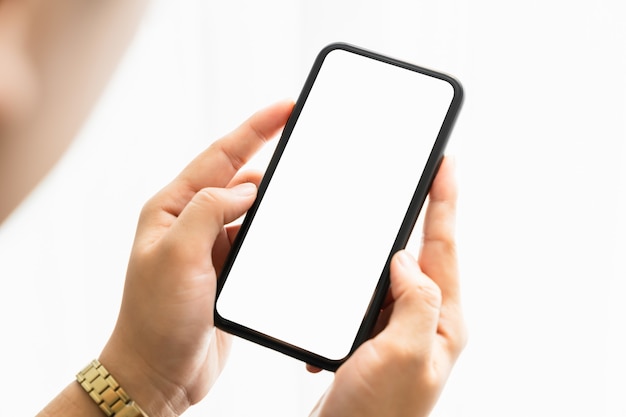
540, 154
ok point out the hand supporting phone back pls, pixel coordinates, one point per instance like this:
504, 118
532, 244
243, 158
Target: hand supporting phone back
403, 368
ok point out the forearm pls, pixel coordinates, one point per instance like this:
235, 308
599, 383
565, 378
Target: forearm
73, 401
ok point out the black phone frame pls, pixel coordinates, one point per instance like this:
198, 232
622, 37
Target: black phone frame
419, 197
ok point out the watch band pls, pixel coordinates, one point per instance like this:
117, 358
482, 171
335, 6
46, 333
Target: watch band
106, 392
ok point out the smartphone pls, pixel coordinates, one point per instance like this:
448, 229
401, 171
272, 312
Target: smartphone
309, 269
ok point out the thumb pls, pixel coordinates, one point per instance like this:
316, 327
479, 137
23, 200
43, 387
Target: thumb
416, 302
205, 216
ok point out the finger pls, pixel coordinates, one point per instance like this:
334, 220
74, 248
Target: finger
388, 301
438, 257
225, 240
202, 221
216, 166
231, 233
382, 320
223, 244
252, 176
313, 369
417, 302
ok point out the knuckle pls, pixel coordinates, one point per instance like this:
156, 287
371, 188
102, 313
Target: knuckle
209, 201
257, 131
431, 377
443, 245
236, 161
206, 197
454, 329
171, 250
148, 208
430, 293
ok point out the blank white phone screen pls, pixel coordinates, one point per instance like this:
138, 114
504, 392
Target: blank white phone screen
308, 267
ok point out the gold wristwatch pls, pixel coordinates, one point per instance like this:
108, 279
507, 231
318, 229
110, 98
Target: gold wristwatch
107, 393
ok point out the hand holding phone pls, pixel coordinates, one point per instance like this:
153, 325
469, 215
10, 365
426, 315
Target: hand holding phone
309, 270
420, 332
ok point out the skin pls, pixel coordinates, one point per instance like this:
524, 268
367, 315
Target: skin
403, 368
165, 350
57, 57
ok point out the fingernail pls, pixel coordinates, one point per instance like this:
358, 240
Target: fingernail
246, 189
405, 259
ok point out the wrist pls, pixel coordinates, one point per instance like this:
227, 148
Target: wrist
156, 396
106, 392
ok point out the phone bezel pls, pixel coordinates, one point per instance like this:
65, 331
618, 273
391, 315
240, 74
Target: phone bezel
417, 201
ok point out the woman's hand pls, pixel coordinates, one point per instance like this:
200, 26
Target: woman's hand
165, 350
403, 368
